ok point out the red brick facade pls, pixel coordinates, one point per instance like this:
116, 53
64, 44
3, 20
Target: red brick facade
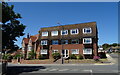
80, 46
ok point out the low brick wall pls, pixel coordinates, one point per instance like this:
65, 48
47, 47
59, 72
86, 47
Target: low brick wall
14, 61
33, 61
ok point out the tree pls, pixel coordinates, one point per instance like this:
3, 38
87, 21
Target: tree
11, 27
105, 46
114, 44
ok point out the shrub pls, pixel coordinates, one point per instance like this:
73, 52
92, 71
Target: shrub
39, 56
42, 56
72, 56
6, 57
56, 55
80, 56
32, 55
17, 56
96, 58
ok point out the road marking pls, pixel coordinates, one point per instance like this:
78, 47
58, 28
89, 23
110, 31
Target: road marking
53, 70
43, 69
63, 69
87, 71
91, 72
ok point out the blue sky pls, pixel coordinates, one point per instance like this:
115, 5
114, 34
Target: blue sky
37, 14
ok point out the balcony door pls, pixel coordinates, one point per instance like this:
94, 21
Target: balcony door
65, 53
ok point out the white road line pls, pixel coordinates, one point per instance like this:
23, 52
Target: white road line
91, 72
43, 69
53, 70
87, 71
63, 69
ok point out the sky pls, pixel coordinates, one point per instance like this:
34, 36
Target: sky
46, 14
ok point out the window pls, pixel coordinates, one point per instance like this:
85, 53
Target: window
29, 48
43, 51
54, 42
54, 33
74, 31
74, 51
44, 42
87, 51
54, 51
64, 41
64, 32
87, 40
44, 33
75, 41
87, 30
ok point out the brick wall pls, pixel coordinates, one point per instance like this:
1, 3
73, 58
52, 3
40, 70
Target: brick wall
33, 61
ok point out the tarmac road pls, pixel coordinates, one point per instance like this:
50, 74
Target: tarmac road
61, 68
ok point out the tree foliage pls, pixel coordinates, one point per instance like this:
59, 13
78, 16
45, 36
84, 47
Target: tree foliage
11, 27
106, 46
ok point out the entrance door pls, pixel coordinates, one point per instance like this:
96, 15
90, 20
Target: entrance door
65, 53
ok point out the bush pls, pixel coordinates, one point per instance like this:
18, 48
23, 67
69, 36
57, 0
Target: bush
72, 56
96, 58
32, 55
17, 56
102, 55
6, 56
39, 56
80, 56
42, 56
56, 55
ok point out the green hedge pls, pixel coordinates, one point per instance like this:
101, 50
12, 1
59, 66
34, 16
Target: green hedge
42, 56
56, 55
73, 56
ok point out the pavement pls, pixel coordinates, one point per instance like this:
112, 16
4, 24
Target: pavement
113, 58
21, 69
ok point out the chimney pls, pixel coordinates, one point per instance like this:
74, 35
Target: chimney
28, 35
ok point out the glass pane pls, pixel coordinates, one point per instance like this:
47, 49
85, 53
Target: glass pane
73, 31
66, 55
63, 52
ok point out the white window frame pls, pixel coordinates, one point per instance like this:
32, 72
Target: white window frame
53, 33
54, 51
66, 32
77, 51
55, 40
45, 33
84, 52
74, 40
45, 51
87, 39
44, 41
85, 29
74, 30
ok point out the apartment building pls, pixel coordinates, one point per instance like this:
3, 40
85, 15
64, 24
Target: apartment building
69, 39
